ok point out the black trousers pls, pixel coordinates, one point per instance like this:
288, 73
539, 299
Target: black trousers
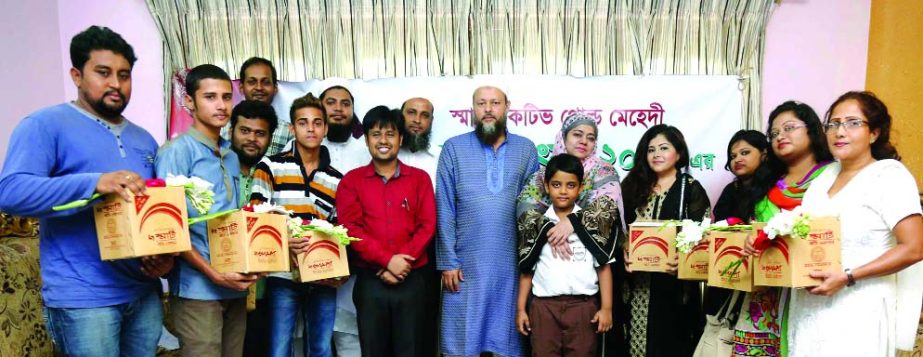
256, 340
391, 317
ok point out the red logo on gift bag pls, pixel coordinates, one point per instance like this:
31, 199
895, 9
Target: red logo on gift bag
251, 221
635, 235
139, 202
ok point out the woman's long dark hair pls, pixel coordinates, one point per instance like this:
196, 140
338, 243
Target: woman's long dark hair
879, 119
640, 181
751, 189
815, 130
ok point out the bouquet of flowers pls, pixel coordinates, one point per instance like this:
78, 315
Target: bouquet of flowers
197, 190
297, 228
792, 223
692, 232
690, 235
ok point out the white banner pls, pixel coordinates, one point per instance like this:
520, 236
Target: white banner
705, 108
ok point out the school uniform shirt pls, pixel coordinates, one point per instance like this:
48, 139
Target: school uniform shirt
574, 276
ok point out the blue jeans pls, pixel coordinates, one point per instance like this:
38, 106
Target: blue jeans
318, 308
129, 329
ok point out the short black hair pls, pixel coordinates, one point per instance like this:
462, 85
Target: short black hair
203, 71
254, 109
99, 38
383, 117
258, 60
306, 101
564, 162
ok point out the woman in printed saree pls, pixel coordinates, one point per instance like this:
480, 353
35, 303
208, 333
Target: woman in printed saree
665, 313
870, 308
799, 155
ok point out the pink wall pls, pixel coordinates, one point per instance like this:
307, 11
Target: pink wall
815, 51
36, 38
132, 20
31, 62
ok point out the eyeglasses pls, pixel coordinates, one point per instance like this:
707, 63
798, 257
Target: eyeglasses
786, 130
833, 126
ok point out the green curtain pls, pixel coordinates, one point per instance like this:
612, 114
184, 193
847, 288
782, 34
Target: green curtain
369, 39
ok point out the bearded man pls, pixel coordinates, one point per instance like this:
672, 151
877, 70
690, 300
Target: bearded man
479, 177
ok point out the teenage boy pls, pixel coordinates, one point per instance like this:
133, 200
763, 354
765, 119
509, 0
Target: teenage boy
565, 306
208, 308
302, 180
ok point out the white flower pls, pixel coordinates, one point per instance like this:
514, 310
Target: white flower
320, 223
785, 222
198, 191
266, 207
177, 180
338, 232
199, 184
295, 229
690, 235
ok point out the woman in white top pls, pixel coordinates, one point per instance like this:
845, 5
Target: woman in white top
872, 306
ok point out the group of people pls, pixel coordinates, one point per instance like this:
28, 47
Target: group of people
474, 245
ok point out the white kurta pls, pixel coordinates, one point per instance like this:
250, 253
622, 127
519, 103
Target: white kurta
345, 157
424, 160
860, 320
349, 154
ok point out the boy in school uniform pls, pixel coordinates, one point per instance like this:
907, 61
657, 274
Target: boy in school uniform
571, 298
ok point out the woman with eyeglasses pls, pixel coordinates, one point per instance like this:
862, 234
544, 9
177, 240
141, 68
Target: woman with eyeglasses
872, 306
798, 155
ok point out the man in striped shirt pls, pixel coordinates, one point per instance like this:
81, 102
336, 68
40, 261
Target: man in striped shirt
301, 180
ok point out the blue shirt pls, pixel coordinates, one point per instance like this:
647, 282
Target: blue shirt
56, 155
193, 154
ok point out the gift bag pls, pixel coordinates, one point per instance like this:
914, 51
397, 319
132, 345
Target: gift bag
718, 336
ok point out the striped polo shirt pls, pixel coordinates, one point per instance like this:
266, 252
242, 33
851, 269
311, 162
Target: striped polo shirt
280, 179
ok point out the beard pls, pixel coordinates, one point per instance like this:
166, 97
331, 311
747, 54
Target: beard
338, 133
108, 111
417, 142
490, 133
245, 158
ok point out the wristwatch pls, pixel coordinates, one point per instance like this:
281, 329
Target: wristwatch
850, 280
